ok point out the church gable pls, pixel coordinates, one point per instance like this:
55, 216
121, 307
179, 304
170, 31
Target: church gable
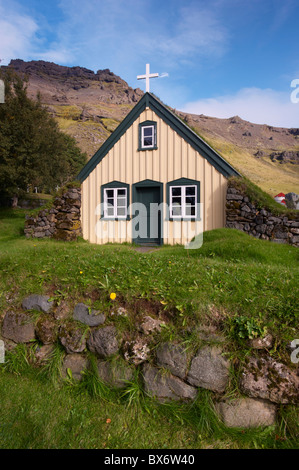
154, 159
148, 135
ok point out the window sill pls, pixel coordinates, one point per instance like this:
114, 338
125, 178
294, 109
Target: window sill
183, 219
115, 219
143, 149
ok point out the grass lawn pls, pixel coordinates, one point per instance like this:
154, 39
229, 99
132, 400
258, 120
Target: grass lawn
246, 286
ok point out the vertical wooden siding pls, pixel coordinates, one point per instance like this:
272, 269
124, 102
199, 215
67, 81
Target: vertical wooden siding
173, 159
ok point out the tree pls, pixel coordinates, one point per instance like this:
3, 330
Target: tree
33, 151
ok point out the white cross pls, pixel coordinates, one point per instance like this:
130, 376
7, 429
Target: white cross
147, 77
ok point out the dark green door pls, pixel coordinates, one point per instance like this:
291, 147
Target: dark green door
147, 224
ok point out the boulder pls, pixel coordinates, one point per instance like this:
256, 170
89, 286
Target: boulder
62, 311
137, 350
280, 232
292, 200
166, 387
43, 353
77, 363
265, 378
18, 327
209, 369
247, 413
116, 373
72, 338
37, 302
88, 316
174, 358
46, 330
103, 341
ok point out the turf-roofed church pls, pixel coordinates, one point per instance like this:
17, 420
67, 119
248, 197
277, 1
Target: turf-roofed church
155, 159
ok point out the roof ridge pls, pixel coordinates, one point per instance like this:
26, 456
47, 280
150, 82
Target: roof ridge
167, 115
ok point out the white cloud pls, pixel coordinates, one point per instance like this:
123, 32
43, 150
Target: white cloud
260, 106
22, 36
122, 33
17, 32
58, 55
197, 32
115, 34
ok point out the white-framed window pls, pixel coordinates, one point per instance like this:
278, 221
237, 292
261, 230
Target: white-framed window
115, 203
182, 202
147, 136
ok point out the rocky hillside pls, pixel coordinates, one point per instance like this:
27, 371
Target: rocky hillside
260, 140
89, 106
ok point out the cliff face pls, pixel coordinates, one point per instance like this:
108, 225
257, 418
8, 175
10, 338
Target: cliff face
89, 105
65, 85
261, 140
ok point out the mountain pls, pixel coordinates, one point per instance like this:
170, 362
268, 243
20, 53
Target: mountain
89, 106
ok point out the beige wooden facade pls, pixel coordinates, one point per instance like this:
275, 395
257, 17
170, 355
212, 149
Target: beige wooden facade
173, 159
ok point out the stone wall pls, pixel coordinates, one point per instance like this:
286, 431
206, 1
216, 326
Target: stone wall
167, 370
61, 221
243, 214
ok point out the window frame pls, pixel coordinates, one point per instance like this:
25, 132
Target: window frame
142, 126
183, 183
183, 206
115, 186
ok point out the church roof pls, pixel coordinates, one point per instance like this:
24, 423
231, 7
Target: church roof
148, 100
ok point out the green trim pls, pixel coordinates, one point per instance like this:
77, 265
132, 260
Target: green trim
182, 182
116, 184
148, 184
144, 124
112, 139
193, 139
174, 122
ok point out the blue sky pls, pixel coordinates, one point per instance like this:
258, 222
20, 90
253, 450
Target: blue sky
222, 57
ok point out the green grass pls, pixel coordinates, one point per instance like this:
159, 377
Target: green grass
261, 198
230, 277
37, 414
272, 177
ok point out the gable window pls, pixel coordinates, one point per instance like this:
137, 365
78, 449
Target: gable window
115, 199
148, 135
183, 198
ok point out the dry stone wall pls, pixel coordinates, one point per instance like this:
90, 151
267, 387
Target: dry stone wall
62, 221
243, 214
167, 370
